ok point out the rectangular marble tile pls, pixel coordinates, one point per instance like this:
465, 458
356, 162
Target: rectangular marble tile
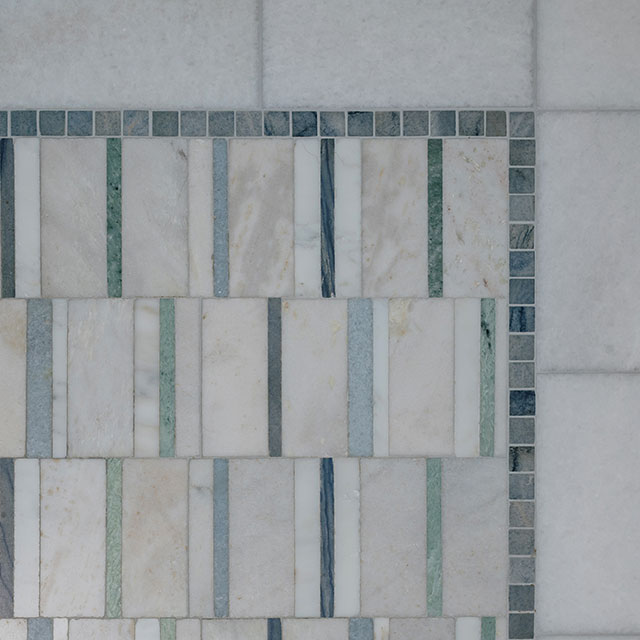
154, 538
412, 628
100, 378
148, 629
261, 558
13, 353
101, 630
261, 218
475, 205
72, 561
474, 534
319, 629
394, 218
393, 537
234, 377
380, 377
155, 259
314, 406
234, 629
13, 629
421, 358
188, 629
59, 375
74, 217
381, 629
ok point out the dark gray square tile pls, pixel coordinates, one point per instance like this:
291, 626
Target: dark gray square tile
522, 180
522, 513
135, 123
443, 123
496, 123
521, 236
521, 347
522, 459
277, 123
387, 123
360, 123
304, 123
80, 123
23, 123
520, 626
3, 123
522, 124
108, 123
521, 542
521, 597
522, 403
522, 319
332, 124
221, 124
165, 123
522, 263
522, 375
522, 570
249, 124
471, 123
522, 431
521, 486
52, 123
193, 123
522, 152
522, 208
415, 123
522, 291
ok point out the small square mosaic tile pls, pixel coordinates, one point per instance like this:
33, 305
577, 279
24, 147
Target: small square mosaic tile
267, 375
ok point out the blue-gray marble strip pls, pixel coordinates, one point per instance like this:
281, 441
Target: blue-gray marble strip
39, 377
221, 537
39, 629
274, 348
274, 629
220, 220
6, 537
7, 219
361, 629
360, 359
327, 537
327, 206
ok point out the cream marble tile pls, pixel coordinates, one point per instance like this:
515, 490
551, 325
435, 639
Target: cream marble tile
60, 629
412, 628
101, 630
12, 629
234, 629
380, 377
59, 375
147, 629
381, 629
319, 629
188, 629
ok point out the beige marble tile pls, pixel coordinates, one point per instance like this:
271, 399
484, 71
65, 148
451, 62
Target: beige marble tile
412, 628
318, 629
234, 629
101, 630
13, 629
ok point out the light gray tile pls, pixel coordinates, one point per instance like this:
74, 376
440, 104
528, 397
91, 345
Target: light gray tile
413, 628
100, 630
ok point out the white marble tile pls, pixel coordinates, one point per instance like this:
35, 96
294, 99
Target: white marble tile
13, 354
347, 537
502, 631
27, 217
432, 628
588, 505
234, 629
101, 630
234, 377
261, 526
319, 629
201, 538
348, 217
475, 203
72, 546
314, 406
501, 417
474, 535
188, 326
147, 629
74, 217
261, 218
393, 537
146, 377
61, 629
154, 538
381, 629
468, 628
188, 629
59, 374
200, 164
155, 259
26, 571
596, 263
421, 358
380, 377
100, 378
394, 218
12, 629
129, 63
587, 54
414, 50
307, 216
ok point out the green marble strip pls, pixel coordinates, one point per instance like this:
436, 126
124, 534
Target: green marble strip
167, 629
114, 538
434, 199
488, 631
434, 537
114, 217
167, 378
487, 375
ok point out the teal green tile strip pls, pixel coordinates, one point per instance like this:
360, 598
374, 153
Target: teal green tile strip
114, 538
487, 375
434, 537
434, 198
167, 378
114, 217
488, 629
168, 629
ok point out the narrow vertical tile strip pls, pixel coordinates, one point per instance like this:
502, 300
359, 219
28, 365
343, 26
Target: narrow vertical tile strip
221, 537
501, 356
60, 629
26, 576
59, 355
381, 628
114, 217
327, 538
487, 375
488, 629
27, 217
434, 199
39, 383
360, 355
361, 629
147, 629
274, 346
380, 377
167, 378
468, 629
6, 537
327, 206
114, 538
40, 629
274, 629
167, 629
7, 220
434, 537
220, 220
